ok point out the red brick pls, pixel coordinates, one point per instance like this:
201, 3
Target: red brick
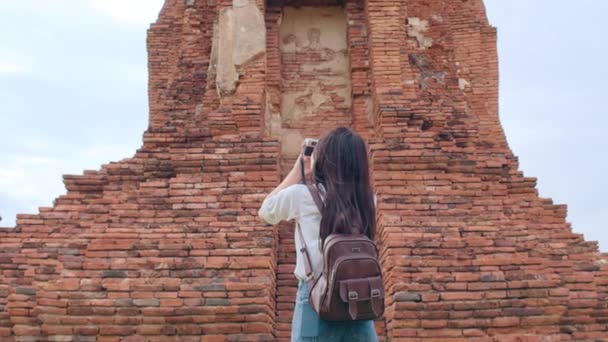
116, 330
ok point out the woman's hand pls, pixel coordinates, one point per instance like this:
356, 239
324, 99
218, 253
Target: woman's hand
307, 168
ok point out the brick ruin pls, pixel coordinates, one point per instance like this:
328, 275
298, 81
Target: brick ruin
166, 245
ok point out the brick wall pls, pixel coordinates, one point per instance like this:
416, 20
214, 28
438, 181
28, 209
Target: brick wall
166, 245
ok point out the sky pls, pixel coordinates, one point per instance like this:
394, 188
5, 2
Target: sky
73, 96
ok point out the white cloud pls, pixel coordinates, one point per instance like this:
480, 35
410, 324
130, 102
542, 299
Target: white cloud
131, 12
7, 68
15, 62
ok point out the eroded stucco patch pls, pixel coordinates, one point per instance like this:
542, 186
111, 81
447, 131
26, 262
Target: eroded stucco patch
463, 84
239, 36
416, 28
427, 72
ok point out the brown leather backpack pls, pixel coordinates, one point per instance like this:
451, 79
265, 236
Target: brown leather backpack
349, 288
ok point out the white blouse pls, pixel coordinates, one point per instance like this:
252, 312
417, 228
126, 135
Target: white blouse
296, 202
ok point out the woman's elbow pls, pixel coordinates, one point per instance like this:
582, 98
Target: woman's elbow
267, 218
263, 216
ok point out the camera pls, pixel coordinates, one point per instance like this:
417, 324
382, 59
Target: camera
309, 146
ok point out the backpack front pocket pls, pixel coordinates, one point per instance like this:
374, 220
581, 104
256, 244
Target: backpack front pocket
364, 297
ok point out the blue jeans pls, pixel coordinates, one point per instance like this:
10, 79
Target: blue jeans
307, 326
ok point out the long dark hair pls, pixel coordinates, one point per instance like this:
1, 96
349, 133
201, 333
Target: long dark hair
341, 165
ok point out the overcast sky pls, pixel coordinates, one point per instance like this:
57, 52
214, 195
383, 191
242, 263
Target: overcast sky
73, 96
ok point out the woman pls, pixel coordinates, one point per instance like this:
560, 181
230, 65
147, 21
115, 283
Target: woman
339, 169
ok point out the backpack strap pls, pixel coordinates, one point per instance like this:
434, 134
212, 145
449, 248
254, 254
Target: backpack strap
304, 250
353, 297
376, 297
307, 262
316, 196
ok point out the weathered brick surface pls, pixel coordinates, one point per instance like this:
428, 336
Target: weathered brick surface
166, 245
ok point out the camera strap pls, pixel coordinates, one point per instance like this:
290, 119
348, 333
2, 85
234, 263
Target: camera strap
302, 169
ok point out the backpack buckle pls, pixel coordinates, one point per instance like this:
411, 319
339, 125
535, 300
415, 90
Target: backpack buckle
375, 293
352, 295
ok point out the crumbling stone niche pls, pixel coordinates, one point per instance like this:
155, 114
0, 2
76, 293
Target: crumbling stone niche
315, 76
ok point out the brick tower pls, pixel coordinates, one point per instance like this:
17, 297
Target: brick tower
166, 245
